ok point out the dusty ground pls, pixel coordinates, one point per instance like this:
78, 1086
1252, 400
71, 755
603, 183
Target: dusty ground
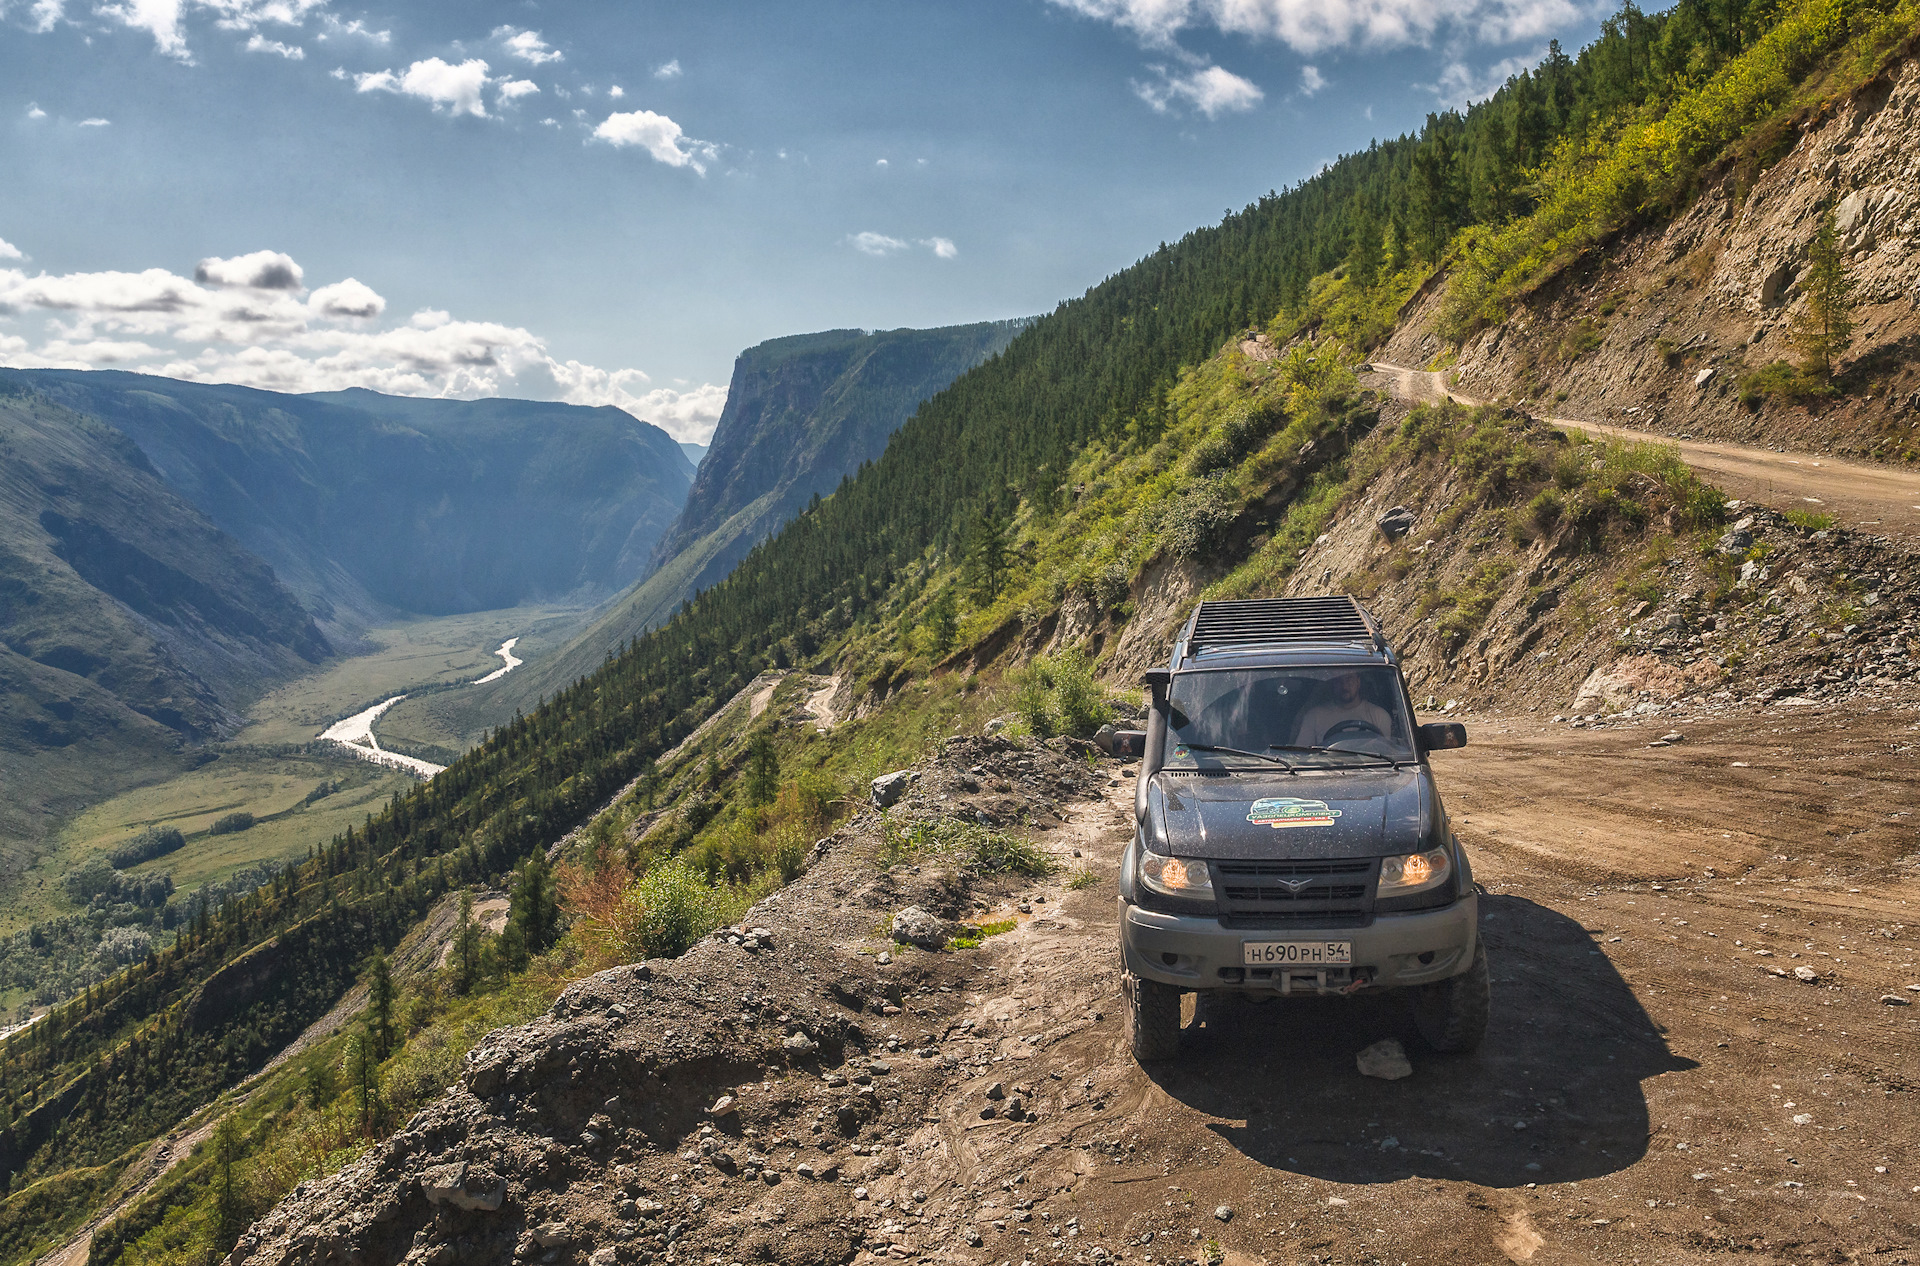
1651, 1089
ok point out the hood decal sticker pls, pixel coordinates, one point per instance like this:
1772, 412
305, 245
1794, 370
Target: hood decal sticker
1286, 811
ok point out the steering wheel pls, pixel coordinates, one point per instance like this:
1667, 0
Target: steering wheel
1352, 725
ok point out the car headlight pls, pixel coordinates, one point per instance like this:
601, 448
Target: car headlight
1415, 872
1176, 876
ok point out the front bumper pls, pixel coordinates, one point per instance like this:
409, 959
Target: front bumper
1394, 951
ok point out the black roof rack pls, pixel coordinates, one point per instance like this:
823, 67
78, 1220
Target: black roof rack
1265, 622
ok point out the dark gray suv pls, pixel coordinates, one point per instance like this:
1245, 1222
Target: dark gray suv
1289, 838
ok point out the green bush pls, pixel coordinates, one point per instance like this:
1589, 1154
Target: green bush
667, 910
155, 841
1810, 520
1058, 695
1543, 512
1779, 380
232, 823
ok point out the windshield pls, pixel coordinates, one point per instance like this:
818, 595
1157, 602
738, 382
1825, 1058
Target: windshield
1285, 713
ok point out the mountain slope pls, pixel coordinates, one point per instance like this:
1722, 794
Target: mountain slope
362, 501
128, 622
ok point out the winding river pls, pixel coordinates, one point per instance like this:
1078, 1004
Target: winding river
356, 734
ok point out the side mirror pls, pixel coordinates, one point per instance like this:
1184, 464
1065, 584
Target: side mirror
1122, 744
1436, 736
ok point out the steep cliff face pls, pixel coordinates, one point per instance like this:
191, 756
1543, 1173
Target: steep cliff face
801, 413
1659, 330
361, 501
805, 410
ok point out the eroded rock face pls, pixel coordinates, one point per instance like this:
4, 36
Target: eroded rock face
1718, 288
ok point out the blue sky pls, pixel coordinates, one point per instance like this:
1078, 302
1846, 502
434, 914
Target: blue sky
605, 203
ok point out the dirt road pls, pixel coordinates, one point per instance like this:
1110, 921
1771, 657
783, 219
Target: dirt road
1651, 1089
1878, 499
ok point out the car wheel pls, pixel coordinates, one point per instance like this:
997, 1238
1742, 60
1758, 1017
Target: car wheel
1156, 1021
1452, 1015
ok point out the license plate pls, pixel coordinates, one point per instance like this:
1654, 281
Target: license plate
1288, 953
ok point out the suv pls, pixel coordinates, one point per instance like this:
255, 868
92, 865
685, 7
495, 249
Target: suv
1289, 838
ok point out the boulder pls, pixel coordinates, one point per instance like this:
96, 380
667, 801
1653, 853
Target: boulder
888, 788
1395, 522
1385, 1059
464, 1186
914, 926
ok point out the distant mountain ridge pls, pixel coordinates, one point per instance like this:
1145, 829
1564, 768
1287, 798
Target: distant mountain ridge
365, 503
802, 413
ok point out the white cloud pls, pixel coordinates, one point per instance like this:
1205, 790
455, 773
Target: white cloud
1308, 26
346, 300
658, 135
34, 111
1212, 90
455, 89
871, 243
234, 329
357, 29
260, 270
1460, 84
1311, 80
514, 89
879, 162
526, 45
669, 71
158, 18
258, 43
46, 14
9, 251
941, 246
616, 92
96, 123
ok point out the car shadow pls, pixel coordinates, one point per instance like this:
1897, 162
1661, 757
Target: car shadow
1553, 1094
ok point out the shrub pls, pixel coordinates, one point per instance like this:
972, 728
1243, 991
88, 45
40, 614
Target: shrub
1543, 512
155, 841
1058, 695
232, 823
1810, 520
1194, 521
1778, 380
666, 911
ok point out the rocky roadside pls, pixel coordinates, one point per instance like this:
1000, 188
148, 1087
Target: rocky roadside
732, 1104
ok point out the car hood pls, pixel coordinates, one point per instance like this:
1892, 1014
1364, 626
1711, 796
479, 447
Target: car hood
1315, 815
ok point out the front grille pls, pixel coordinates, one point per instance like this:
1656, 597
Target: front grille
1303, 893
1294, 919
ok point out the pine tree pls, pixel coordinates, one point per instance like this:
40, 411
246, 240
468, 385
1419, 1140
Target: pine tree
226, 1200
380, 1006
763, 771
1824, 327
466, 947
985, 566
535, 913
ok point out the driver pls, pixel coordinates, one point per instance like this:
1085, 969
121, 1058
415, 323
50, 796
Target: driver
1318, 722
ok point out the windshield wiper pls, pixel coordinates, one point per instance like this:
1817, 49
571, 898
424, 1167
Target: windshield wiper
1235, 751
1344, 751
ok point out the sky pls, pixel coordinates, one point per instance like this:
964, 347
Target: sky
605, 203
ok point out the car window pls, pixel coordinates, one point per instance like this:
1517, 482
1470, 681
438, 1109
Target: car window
1271, 709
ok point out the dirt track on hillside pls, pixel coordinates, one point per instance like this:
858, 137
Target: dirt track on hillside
1650, 1089
1879, 499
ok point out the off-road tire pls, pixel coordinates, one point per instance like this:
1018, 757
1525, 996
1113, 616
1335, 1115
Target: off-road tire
1155, 1021
1452, 1014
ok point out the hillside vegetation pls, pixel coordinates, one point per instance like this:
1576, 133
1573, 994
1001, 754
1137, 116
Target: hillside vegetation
1192, 422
